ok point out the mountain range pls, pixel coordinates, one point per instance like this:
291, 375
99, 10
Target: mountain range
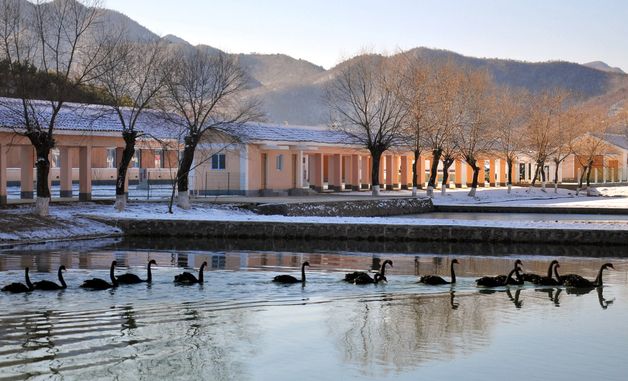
292, 89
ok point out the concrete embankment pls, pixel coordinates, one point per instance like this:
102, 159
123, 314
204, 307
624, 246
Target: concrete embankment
363, 232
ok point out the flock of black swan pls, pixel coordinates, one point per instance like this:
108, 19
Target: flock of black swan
514, 277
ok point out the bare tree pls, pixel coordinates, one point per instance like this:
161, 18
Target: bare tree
204, 95
364, 103
416, 95
133, 75
567, 127
591, 146
540, 130
445, 114
55, 37
476, 135
508, 123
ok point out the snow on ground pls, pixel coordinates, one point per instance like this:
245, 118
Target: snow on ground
519, 196
19, 225
71, 220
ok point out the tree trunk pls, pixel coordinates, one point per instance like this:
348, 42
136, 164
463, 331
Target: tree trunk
183, 200
590, 166
43, 143
579, 188
557, 162
447, 162
415, 175
376, 155
509, 165
431, 184
476, 172
543, 179
127, 155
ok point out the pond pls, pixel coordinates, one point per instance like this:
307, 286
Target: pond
239, 325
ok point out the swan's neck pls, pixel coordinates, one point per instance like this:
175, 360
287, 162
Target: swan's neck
549, 270
200, 274
149, 277
598, 279
114, 281
453, 273
60, 275
28, 279
509, 276
303, 273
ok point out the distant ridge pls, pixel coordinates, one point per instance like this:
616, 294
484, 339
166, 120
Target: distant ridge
292, 89
603, 66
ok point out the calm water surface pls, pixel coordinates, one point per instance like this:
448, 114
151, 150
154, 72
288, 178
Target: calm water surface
240, 326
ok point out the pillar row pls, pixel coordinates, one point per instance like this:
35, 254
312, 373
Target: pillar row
3, 174
85, 173
27, 163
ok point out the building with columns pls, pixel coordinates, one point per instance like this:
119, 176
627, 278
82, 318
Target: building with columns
88, 145
251, 159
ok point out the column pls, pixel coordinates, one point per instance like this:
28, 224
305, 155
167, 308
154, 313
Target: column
366, 171
458, 175
354, 178
482, 173
316, 174
347, 166
119, 154
26, 172
85, 173
491, 173
382, 166
404, 172
65, 173
420, 170
335, 172
3, 174
394, 178
503, 172
299, 170
463, 174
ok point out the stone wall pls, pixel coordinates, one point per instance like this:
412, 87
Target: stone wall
350, 208
363, 232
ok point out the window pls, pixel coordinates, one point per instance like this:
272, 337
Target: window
135, 160
279, 162
111, 157
56, 163
522, 171
218, 161
159, 158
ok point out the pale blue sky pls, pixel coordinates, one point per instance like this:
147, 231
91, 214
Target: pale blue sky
327, 31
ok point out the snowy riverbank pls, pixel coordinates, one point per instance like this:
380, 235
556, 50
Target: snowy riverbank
69, 221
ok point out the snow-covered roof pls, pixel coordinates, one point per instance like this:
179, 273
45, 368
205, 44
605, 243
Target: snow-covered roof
94, 119
85, 118
617, 139
264, 132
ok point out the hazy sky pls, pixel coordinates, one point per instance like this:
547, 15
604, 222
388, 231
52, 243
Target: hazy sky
327, 31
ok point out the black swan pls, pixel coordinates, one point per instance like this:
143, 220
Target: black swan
496, 281
17, 288
290, 278
101, 284
574, 280
361, 277
129, 278
500, 280
535, 278
549, 280
436, 280
189, 278
46, 285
